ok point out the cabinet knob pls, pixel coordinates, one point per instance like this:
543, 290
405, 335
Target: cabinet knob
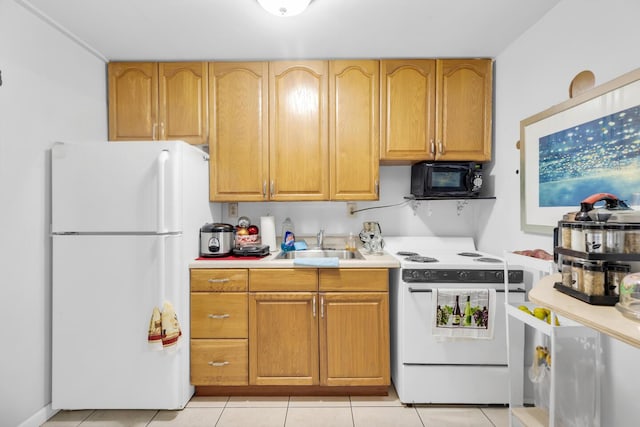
432, 146
273, 187
217, 364
223, 280
440, 147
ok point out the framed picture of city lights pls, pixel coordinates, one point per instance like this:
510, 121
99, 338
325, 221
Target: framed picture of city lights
586, 145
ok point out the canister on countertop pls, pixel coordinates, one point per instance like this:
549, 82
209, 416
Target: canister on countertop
577, 276
594, 237
593, 277
565, 234
615, 274
566, 272
577, 237
614, 238
632, 239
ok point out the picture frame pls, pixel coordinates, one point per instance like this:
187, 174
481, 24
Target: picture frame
588, 144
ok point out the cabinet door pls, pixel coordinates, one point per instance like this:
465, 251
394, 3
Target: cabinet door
354, 135
283, 337
465, 92
183, 109
299, 148
133, 100
408, 110
354, 339
239, 135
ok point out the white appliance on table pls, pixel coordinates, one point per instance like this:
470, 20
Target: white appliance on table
429, 369
125, 222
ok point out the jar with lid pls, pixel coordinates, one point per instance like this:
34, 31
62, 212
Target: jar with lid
632, 239
576, 276
577, 237
565, 235
593, 278
614, 238
566, 272
615, 274
594, 237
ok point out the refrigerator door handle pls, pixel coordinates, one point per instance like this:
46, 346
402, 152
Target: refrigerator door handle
162, 251
162, 161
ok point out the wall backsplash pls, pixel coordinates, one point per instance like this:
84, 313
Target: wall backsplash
423, 218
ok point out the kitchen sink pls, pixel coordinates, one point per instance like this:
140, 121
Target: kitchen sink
320, 253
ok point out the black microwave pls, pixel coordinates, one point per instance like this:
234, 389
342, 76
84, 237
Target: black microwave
446, 179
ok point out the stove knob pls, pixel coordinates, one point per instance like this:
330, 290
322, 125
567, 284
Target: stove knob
500, 276
427, 275
415, 274
463, 275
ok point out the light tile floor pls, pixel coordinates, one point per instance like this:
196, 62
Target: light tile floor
293, 411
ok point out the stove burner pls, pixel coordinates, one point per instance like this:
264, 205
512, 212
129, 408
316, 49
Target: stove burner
470, 254
418, 258
406, 253
486, 259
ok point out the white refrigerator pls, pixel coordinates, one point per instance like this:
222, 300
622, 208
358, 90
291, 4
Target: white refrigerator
125, 224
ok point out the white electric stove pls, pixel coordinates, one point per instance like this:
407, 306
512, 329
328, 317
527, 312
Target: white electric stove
428, 369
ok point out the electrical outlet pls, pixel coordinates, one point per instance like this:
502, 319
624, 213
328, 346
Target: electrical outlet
351, 207
233, 210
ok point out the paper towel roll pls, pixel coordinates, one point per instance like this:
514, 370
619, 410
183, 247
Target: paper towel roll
268, 232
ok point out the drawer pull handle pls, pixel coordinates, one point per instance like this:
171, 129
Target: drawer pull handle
224, 280
217, 364
219, 316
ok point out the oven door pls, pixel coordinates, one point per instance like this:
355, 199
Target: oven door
419, 345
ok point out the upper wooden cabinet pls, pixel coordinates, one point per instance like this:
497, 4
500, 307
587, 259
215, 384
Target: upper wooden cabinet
436, 110
463, 104
354, 129
239, 133
408, 109
298, 113
158, 101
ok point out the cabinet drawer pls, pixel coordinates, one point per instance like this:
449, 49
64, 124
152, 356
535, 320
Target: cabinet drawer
283, 279
219, 315
219, 362
354, 279
211, 280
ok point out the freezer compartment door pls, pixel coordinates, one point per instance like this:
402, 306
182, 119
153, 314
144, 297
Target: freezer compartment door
421, 347
104, 292
117, 187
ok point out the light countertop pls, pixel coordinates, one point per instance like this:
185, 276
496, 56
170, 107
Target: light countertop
605, 319
370, 261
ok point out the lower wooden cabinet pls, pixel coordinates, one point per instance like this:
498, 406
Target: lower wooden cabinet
334, 338
219, 362
219, 327
294, 327
354, 339
283, 332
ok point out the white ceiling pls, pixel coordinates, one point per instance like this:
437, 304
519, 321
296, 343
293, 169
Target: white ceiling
241, 29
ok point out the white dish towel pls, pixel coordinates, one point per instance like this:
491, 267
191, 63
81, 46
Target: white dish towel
481, 322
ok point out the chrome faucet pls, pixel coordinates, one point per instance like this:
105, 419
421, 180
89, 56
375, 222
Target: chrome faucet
320, 239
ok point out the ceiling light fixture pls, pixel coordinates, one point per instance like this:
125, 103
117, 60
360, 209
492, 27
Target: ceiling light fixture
284, 7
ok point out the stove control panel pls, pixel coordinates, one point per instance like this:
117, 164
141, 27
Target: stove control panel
420, 275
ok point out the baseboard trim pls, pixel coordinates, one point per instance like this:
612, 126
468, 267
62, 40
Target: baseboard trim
40, 417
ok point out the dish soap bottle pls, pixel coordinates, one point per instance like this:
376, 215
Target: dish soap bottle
288, 235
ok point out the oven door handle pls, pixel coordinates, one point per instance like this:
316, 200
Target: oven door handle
417, 290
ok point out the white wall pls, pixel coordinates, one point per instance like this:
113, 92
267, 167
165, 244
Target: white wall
51, 90
399, 218
533, 74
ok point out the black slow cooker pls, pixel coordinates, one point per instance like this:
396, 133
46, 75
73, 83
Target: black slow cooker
216, 240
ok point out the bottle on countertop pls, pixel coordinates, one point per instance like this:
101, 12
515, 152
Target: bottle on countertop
288, 235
